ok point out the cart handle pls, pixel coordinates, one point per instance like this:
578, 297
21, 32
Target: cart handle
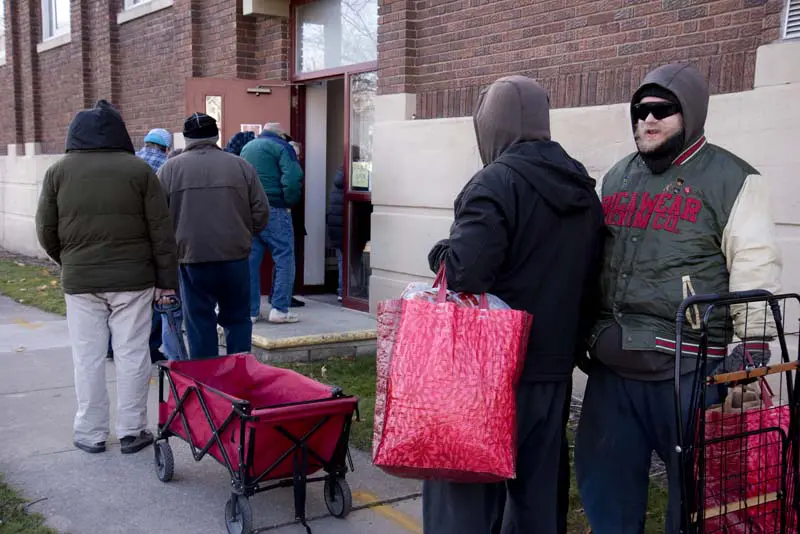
732, 297
716, 298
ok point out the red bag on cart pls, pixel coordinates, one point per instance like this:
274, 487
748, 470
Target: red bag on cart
744, 475
449, 411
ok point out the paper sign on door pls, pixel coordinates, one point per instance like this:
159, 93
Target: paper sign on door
255, 128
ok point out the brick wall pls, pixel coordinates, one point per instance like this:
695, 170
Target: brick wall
585, 52
148, 95
140, 65
272, 49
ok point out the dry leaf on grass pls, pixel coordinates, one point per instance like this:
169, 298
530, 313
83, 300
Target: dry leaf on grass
54, 283
19, 264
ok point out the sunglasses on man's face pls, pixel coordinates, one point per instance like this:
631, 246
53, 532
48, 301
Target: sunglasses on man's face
659, 110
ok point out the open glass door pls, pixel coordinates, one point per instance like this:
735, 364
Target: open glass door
361, 90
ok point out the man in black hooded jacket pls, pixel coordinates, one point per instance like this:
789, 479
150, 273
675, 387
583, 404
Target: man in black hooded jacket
528, 229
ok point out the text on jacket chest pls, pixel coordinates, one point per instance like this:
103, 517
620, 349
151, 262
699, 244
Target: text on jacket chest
661, 211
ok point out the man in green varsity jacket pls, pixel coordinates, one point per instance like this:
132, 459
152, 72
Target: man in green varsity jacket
684, 217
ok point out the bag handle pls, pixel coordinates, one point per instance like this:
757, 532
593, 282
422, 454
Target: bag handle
441, 283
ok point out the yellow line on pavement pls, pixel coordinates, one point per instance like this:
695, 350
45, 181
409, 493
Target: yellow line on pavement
396, 516
27, 324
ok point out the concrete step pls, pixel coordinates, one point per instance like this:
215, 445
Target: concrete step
325, 330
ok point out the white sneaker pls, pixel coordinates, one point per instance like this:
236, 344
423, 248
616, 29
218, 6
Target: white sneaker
280, 317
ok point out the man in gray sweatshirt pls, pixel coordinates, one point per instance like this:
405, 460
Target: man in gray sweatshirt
217, 205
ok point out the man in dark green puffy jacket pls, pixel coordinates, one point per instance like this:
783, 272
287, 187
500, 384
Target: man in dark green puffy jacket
103, 217
276, 163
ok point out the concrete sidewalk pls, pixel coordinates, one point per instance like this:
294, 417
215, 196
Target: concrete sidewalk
111, 493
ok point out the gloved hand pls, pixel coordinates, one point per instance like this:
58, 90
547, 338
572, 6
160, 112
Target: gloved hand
757, 350
437, 254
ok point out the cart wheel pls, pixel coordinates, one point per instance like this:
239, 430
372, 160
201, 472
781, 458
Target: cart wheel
238, 515
165, 462
338, 497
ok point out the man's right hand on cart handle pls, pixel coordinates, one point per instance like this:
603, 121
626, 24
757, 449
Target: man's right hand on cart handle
749, 353
162, 296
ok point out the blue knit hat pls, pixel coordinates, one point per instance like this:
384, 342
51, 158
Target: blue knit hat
159, 136
237, 142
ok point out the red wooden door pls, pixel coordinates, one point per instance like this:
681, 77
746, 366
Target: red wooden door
240, 105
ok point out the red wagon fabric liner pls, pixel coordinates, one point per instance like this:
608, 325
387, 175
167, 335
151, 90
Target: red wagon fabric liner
274, 397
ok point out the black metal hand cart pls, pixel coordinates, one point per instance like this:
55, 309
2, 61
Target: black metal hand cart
738, 436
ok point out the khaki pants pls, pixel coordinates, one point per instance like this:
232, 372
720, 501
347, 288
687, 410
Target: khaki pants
126, 317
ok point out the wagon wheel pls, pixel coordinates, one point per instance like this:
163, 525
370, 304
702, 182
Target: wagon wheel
338, 497
238, 515
165, 462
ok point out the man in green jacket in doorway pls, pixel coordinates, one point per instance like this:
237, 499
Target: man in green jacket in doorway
279, 171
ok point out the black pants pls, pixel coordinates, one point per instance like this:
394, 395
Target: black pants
533, 503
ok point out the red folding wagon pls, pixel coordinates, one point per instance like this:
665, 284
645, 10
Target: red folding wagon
269, 427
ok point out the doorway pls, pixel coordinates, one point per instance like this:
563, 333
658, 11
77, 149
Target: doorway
338, 126
324, 158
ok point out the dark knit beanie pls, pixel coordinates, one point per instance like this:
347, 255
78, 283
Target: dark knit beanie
200, 126
656, 91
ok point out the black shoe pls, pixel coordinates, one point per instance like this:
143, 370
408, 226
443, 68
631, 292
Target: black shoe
132, 444
91, 448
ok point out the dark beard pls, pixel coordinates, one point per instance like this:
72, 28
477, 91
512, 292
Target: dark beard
660, 159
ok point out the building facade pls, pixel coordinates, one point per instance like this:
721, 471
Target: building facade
381, 89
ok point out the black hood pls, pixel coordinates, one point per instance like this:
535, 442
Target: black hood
99, 128
511, 110
689, 87
560, 180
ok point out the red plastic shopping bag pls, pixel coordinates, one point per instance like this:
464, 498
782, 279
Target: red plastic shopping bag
449, 406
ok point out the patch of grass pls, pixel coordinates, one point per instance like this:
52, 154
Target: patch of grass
13, 517
356, 376
33, 285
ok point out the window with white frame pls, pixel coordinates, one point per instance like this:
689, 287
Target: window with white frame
55, 18
2, 32
791, 29
133, 3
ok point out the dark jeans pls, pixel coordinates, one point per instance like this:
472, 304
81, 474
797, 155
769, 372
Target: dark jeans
622, 422
206, 285
533, 503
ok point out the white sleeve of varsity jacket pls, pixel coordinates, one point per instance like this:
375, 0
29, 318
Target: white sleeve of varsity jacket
753, 258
